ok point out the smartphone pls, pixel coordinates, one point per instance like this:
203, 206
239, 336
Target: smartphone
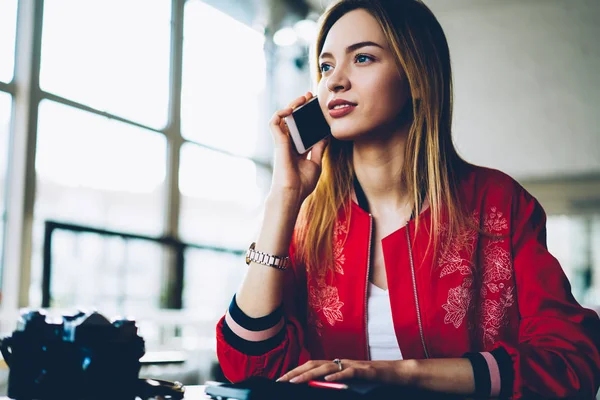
307, 126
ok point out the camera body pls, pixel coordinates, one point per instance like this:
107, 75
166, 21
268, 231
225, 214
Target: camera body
81, 356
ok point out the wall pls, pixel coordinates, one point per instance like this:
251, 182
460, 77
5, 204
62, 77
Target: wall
527, 85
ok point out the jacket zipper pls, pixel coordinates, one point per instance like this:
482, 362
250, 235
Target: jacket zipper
414, 282
367, 285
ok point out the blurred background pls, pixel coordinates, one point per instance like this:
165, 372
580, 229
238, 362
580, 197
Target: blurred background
135, 154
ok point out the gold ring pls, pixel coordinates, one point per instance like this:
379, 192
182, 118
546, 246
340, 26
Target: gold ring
339, 363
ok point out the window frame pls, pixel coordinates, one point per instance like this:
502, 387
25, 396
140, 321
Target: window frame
16, 260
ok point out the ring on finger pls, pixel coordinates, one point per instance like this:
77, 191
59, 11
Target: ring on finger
339, 363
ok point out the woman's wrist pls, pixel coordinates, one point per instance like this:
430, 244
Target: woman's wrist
407, 372
281, 213
452, 375
284, 200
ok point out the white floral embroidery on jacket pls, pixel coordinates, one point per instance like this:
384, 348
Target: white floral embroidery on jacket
324, 299
494, 315
340, 231
496, 289
459, 299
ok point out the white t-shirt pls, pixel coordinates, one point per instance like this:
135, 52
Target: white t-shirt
382, 341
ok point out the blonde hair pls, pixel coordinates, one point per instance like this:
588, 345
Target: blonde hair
418, 42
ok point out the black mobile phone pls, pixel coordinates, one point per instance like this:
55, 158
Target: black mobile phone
257, 388
307, 126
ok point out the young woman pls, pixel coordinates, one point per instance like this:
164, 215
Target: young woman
406, 264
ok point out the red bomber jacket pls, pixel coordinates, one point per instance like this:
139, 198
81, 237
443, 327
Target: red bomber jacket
477, 293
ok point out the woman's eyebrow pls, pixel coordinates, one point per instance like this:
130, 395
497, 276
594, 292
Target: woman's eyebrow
353, 47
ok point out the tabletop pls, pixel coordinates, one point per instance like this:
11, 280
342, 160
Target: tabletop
197, 392
192, 392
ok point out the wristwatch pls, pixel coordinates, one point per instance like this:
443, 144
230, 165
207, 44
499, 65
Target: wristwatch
279, 262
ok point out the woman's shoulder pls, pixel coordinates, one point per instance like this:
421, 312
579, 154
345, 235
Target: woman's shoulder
482, 182
487, 190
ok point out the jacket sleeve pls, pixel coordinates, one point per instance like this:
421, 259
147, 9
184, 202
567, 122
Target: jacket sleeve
288, 353
557, 355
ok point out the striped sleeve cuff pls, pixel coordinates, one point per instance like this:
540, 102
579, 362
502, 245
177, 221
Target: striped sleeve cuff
253, 336
507, 373
493, 373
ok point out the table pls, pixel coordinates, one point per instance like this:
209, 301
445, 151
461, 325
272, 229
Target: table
196, 392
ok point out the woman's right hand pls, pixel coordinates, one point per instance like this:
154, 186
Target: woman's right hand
294, 175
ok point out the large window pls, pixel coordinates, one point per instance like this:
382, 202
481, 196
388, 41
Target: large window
224, 74
107, 152
97, 172
8, 23
223, 104
112, 55
109, 170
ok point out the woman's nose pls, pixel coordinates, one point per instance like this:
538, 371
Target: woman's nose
338, 81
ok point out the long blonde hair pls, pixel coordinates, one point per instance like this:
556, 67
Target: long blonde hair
431, 166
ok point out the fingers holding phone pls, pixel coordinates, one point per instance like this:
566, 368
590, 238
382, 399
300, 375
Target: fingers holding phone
307, 125
298, 132
278, 127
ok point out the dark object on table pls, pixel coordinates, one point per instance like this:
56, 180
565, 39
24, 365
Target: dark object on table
77, 356
262, 388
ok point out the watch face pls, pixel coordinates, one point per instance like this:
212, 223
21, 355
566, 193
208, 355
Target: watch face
248, 257
250, 251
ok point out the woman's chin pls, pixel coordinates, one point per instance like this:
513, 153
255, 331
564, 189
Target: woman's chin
346, 134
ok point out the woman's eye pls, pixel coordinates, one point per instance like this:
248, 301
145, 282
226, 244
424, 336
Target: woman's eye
325, 67
363, 58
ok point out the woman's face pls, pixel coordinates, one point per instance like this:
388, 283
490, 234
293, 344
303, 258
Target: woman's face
361, 89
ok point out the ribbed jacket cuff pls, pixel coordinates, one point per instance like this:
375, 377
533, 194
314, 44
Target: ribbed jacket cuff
493, 373
253, 336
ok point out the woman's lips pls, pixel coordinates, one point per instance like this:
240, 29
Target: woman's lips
341, 111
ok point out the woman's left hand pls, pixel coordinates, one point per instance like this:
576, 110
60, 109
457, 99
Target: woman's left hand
397, 372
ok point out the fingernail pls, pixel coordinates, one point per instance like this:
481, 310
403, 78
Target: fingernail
328, 377
279, 379
294, 380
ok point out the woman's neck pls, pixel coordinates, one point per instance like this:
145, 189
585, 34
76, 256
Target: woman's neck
378, 165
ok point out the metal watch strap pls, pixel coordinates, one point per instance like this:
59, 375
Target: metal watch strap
278, 262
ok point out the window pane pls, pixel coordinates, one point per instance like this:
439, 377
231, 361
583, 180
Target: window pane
115, 276
221, 197
96, 172
202, 269
224, 73
5, 113
570, 239
112, 55
8, 25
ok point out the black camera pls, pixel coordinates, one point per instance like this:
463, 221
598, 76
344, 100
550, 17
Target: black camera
80, 356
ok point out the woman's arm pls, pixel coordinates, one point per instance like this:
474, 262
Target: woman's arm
260, 334
294, 178
558, 351
261, 290
452, 375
